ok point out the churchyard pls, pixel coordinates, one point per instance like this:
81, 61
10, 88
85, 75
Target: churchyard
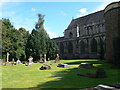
21, 76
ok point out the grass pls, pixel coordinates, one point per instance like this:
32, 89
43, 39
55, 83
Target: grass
21, 76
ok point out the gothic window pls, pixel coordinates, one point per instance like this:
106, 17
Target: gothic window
103, 27
70, 47
91, 29
61, 48
87, 30
98, 28
70, 35
93, 45
82, 47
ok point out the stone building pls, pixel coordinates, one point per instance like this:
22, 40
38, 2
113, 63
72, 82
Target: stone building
83, 38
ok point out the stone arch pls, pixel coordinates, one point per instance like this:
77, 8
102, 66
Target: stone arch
82, 46
70, 47
93, 45
61, 48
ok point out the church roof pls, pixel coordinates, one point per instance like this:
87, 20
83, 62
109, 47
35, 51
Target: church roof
88, 19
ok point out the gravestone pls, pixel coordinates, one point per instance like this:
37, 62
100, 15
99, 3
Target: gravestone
100, 73
62, 65
86, 65
45, 67
30, 60
18, 62
57, 59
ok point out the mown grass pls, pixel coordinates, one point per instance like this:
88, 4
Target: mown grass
21, 76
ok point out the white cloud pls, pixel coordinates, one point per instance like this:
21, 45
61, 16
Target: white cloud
82, 12
33, 9
51, 34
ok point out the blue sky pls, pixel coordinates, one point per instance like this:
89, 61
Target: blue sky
57, 14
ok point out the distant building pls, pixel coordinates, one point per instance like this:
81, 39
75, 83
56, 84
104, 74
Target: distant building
84, 38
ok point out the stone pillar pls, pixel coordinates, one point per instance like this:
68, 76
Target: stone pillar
8, 57
112, 26
44, 57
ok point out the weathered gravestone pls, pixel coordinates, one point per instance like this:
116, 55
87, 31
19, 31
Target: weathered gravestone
57, 59
18, 62
86, 65
45, 67
30, 60
100, 73
62, 65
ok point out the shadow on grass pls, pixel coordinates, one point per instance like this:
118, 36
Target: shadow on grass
87, 61
68, 78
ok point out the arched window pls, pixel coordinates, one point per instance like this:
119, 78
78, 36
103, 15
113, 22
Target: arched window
70, 35
70, 47
61, 48
82, 47
93, 45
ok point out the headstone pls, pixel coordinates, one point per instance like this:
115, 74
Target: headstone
45, 67
30, 60
100, 73
57, 58
63, 65
86, 65
18, 62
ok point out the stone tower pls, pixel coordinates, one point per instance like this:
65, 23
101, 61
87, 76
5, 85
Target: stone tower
112, 26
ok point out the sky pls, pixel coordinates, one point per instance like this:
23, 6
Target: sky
58, 15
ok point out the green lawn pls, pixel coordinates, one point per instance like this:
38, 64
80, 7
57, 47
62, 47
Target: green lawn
21, 76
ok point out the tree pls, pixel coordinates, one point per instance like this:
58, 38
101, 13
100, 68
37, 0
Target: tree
39, 42
13, 40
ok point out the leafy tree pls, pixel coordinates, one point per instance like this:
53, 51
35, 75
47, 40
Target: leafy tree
39, 42
13, 40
